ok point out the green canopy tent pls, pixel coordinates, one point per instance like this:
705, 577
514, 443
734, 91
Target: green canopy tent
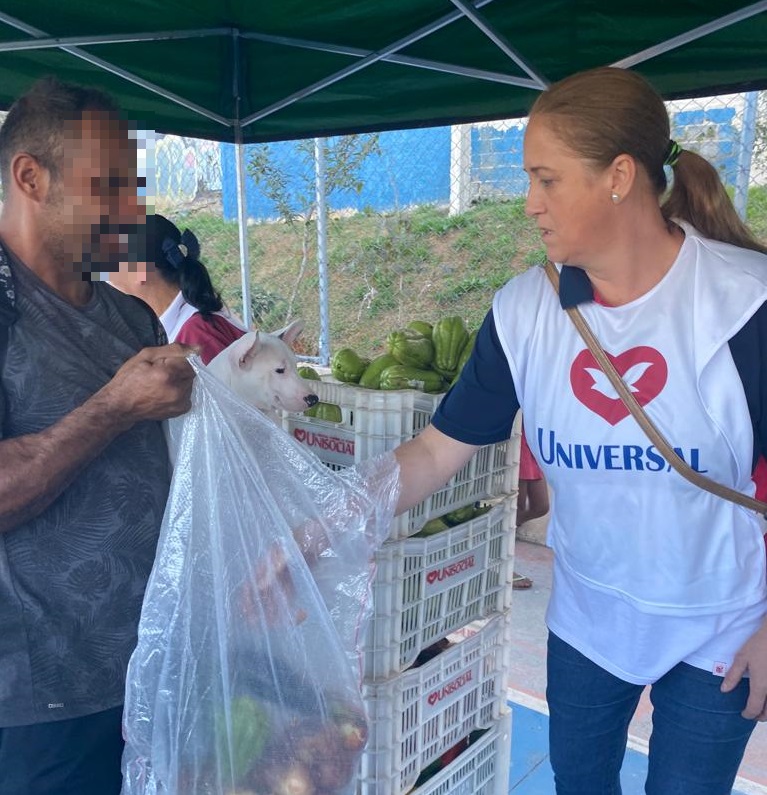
245, 72
255, 71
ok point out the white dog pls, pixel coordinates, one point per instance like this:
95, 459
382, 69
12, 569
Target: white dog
262, 369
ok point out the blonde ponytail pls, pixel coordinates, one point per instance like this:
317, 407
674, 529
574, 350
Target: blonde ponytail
698, 196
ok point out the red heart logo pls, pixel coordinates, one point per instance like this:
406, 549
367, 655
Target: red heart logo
642, 368
431, 576
299, 434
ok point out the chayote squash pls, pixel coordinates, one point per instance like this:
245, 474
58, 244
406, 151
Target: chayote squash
329, 412
321, 411
348, 366
480, 510
460, 515
243, 736
371, 378
421, 326
402, 377
309, 373
464, 357
410, 348
432, 527
449, 337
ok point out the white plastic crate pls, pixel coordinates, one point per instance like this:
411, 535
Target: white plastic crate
418, 715
374, 421
425, 588
482, 769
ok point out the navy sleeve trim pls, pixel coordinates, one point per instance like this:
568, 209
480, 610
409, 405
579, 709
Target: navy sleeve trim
481, 407
749, 352
574, 287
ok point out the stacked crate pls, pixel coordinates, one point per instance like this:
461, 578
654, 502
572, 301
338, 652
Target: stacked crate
426, 592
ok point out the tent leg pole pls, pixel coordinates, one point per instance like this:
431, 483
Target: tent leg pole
322, 248
242, 223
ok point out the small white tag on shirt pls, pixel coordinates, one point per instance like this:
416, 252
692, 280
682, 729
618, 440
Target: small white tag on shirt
719, 669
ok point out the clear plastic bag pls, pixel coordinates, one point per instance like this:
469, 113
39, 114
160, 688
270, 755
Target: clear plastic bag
245, 678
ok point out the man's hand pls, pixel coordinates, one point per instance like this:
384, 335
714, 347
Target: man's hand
752, 657
155, 384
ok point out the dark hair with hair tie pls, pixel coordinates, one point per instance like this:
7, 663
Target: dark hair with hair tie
181, 266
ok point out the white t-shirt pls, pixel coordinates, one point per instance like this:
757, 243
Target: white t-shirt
179, 311
649, 569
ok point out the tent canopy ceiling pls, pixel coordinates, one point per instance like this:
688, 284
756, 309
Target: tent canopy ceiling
236, 70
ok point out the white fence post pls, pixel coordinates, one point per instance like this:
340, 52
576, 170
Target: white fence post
460, 168
747, 137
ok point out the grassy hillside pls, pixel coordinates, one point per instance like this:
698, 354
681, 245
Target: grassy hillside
383, 270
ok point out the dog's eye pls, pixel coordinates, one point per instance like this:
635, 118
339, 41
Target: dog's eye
280, 370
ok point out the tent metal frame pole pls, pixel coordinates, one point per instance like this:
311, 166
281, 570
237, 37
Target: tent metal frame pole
691, 35
242, 194
474, 16
118, 72
401, 60
88, 41
242, 229
406, 41
463, 71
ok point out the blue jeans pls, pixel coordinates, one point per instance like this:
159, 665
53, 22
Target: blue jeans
698, 737
79, 756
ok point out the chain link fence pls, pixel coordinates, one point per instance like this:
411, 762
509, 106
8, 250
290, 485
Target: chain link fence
421, 223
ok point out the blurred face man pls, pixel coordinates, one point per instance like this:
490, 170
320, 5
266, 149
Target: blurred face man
92, 206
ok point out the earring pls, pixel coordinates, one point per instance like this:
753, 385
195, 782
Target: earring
615, 197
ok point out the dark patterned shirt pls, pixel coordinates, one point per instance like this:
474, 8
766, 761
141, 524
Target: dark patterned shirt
72, 579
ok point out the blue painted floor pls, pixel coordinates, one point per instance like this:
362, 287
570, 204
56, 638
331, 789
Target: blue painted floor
531, 772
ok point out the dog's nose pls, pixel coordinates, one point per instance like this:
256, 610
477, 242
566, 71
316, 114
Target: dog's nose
310, 400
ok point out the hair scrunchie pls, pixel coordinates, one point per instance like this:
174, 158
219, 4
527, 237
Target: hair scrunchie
172, 250
190, 242
673, 150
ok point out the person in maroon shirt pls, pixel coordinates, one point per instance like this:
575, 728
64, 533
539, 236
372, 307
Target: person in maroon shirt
532, 500
178, 288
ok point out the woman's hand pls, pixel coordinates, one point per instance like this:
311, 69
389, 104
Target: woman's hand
752, 657
269, 595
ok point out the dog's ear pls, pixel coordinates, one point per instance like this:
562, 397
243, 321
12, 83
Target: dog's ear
246, 349
290, 332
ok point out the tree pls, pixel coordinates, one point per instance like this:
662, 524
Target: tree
294, 194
